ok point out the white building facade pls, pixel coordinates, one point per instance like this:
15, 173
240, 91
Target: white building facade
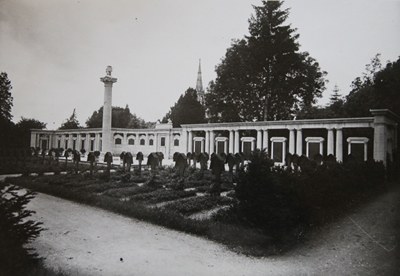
374, 137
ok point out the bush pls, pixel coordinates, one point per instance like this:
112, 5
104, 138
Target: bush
264, 200
16, 232
283, 202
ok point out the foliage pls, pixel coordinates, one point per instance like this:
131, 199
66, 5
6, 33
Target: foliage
379, 88
283, 202
16, 231
121, 118
264, 201
130, 191
187, 110
71, 122
193, 205
22, 130
162, 195
5, 98
30, 123
264, 75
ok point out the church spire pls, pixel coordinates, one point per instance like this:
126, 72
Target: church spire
199, 85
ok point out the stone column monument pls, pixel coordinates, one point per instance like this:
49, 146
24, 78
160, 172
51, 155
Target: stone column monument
106, 130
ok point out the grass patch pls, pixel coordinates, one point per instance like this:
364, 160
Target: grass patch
197, 204
162, 195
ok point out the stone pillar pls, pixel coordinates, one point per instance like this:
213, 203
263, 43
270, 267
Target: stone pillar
292, 141
339, 145
87, 143
190, 142
299, 142
33, 140
207, 149
167, 144
237, 142
79, 142
231, 134
108, 81
97, 142
265, 140
183, 141
212, 140
259, 139
330, 142
380, 142
71, 141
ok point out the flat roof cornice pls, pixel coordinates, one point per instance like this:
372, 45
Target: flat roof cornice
365, 121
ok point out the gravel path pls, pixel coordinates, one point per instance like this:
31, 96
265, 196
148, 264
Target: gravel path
83, 240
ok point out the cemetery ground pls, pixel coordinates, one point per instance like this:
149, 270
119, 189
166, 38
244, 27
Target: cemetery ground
361, 237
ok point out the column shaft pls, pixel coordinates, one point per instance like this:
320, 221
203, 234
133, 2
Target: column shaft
339, 145
259, 139
231, 141
292, 141
207, 149
330, 142
299, 142
190, 142
237, 142
380, 142
212, 142
265, 140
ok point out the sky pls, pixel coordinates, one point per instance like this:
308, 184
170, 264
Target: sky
55, 51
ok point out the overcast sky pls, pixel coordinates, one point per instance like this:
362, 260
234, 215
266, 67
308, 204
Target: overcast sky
55, 51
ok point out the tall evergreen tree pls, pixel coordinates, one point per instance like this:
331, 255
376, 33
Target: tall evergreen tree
187, 110
264, 76
5, 98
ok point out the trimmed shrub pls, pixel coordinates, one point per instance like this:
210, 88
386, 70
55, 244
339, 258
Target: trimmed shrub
16, 231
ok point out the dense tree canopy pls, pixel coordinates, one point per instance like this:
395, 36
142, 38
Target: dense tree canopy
264, 75
121, 118
30, 123
376, 88
187, 110
71, 122
22, 131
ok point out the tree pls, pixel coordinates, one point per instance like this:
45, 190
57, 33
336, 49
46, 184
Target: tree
121, 118
264, 76
187, 110
5, 98
30, 123
71, 123
377, 88
22, 131
16, 231
6, 125
336, 102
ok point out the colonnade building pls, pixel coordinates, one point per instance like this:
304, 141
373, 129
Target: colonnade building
374, 137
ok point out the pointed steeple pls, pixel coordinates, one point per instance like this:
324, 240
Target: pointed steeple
199, 85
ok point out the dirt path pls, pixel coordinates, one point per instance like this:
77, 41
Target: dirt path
83, 240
